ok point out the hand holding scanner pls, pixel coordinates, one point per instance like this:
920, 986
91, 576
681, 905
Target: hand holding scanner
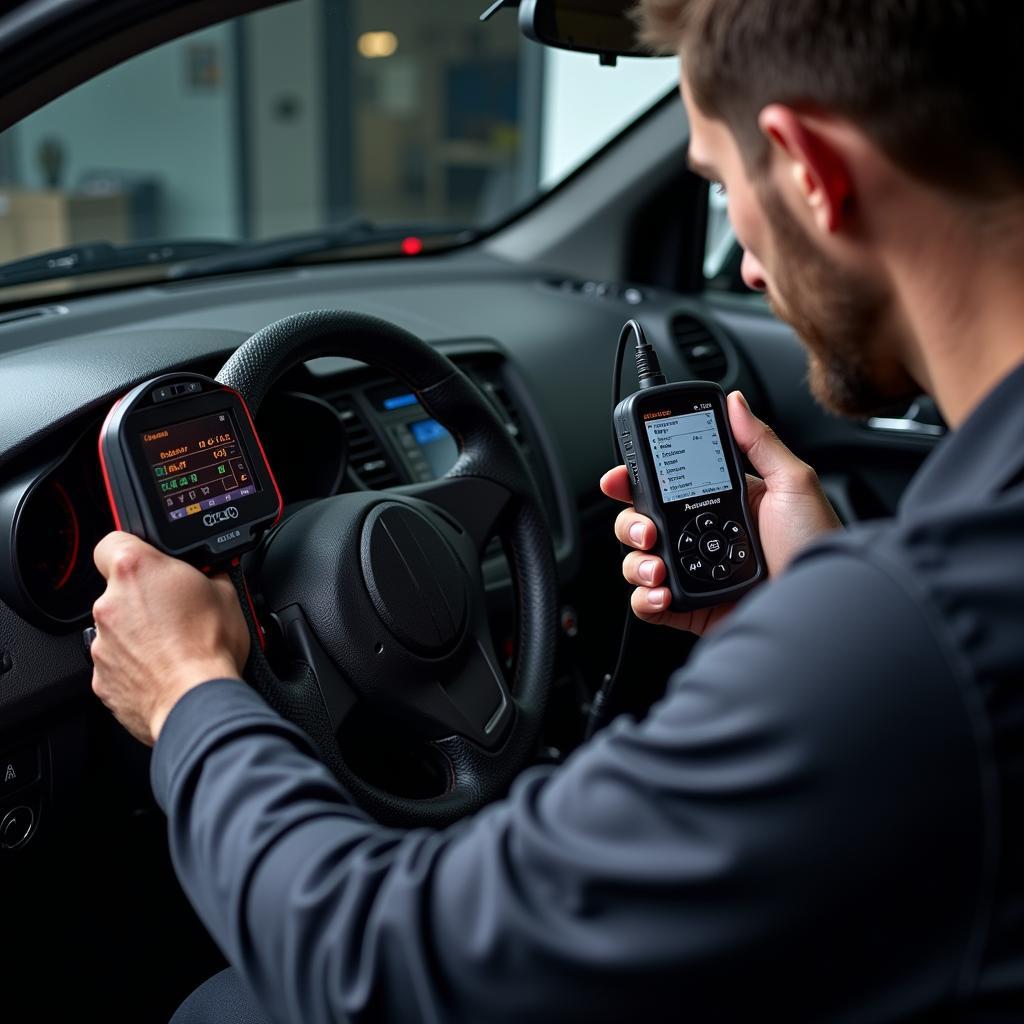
686, 476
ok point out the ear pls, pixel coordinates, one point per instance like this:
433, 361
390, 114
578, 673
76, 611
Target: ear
818, 168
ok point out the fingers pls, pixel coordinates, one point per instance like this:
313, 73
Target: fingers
643, 570
635, 530
632, 529
768, 455
650, 604
615, 484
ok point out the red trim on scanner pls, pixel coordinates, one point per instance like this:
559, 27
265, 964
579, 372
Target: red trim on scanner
103, 466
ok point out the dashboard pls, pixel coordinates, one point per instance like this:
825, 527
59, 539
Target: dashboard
371, 433
540, 346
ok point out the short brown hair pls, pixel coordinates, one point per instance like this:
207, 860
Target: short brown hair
936, 83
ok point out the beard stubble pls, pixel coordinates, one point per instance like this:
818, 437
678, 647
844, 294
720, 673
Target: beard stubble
842, 319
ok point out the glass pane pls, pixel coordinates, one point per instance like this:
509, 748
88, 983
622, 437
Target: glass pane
383, 117
720, 239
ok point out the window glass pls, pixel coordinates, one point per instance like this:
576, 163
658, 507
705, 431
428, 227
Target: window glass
586, 105
386, 119
721, 242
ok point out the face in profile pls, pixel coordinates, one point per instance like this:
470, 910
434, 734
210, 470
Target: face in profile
845, 317
842, 317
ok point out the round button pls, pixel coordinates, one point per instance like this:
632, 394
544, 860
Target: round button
733, 531
16, 827
707, 522
687, 544
713, 546
739, 553
721, 572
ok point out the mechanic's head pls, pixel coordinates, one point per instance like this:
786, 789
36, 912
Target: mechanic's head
847, 132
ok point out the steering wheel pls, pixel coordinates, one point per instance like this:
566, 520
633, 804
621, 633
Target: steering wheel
378, 595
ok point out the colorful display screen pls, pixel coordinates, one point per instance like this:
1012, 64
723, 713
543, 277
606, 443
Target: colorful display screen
198, 464
688, 457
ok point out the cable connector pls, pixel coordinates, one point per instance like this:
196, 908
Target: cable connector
648, 368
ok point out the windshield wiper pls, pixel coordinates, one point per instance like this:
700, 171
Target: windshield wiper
285, 249
95, 257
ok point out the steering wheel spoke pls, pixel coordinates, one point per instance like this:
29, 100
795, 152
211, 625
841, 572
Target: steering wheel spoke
472, 700
302, 646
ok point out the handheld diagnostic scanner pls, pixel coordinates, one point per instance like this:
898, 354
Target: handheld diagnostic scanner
687, 476
184, 469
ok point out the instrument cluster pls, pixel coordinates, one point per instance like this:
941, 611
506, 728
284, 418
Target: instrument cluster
52, 516
50, 521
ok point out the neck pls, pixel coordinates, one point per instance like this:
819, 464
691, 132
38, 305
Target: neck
959, 293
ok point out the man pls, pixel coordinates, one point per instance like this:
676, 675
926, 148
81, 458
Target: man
824, 819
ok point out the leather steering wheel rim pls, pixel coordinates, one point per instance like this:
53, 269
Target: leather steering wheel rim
487, 453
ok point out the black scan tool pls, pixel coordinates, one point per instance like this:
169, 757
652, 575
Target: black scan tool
686, 475
185, 470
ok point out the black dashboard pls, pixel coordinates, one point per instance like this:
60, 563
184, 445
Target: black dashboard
539, 345
370, 433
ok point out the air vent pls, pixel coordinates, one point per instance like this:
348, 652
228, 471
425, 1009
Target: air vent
699, 347
366, 457
494, 387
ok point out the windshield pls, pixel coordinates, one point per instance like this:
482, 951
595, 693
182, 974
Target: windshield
345, 127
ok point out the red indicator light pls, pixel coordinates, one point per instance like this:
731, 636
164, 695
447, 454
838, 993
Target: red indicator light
412, 246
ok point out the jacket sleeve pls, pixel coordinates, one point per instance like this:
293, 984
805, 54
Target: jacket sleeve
797, 831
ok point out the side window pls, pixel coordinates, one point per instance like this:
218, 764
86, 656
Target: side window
586, 105
723, 257
720, 238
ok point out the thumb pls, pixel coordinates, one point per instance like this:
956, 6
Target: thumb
768, 455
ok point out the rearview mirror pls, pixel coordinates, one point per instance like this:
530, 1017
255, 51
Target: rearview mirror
603, 27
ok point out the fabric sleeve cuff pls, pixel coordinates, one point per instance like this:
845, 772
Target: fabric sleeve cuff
201, 716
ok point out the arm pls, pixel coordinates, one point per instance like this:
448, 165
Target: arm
769, 836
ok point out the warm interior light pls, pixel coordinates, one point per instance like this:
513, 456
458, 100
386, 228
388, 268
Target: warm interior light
377, 44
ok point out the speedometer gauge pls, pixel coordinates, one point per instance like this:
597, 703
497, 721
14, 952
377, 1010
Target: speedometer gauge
50, 538
50, 520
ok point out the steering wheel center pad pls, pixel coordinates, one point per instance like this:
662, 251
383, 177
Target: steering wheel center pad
386, 588
417, 584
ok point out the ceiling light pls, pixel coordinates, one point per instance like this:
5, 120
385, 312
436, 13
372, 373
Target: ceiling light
377, 44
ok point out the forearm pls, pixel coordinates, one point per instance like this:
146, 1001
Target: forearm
250, 811
329, 916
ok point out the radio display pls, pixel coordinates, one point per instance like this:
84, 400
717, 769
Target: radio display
688, 458
197, 465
